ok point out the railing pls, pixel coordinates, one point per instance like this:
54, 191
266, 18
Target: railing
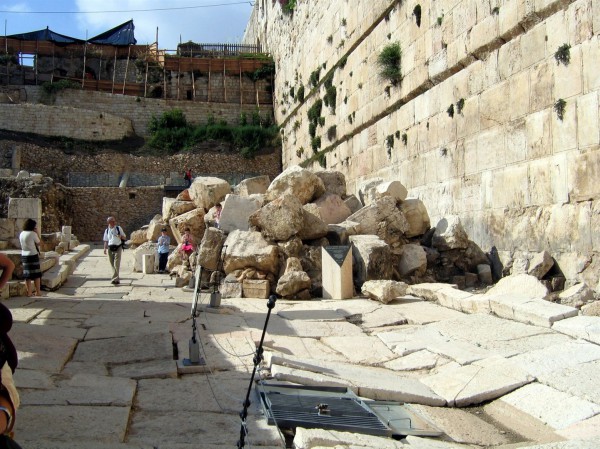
216, 50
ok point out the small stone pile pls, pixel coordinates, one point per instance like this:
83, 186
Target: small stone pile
270, 235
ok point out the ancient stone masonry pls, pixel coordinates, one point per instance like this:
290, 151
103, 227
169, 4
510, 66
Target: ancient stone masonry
495, 118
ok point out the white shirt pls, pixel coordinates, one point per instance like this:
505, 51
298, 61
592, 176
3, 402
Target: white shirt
28, 240
111, 235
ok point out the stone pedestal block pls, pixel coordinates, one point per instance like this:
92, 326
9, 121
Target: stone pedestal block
336, 269
148, 263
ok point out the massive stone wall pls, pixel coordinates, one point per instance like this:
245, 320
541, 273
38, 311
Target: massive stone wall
76, 105
520, 177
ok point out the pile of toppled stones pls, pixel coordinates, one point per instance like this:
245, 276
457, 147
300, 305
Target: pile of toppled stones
270, 238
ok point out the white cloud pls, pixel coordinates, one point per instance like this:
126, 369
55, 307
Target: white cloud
209, 24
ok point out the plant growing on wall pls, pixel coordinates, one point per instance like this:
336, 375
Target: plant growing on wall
563, 54
440, 19
460, 104
315, 143
559, 108
389, 144
330, 93
332, 132
322, 159
300, 93
417, 14
405, 139
389, 63
450, 111
300, 151
314, 77
288, 6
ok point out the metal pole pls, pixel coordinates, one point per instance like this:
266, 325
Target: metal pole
126, 67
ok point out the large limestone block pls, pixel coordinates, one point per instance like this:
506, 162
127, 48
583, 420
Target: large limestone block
338, 234
540, 264
334, 182
25, 208
236, 211
209, 251
303, 184
413, 259
353, 203
7, 228
377, 188
206, 191
416, 214
249, 249
384, 290
138, 237
154, 228
292, 283
521, 284
230, 287
382, 218
193, 219
174, 208
576, 296
332, 209
450, 234
372, 259
280, 219
146, 248
250, 186
312, 228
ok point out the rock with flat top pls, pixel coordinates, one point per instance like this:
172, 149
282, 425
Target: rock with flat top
280, 219
250, 186
450, 234
249, 249
296, 181
384, 290
206, 191
372, 259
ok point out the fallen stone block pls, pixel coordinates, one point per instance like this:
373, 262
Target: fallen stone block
427, 290
529, 310
55, 277
523, 285
584, 327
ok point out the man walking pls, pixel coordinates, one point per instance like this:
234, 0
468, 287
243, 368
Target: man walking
114, 236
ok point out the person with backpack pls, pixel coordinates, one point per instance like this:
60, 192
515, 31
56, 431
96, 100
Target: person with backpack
114, 239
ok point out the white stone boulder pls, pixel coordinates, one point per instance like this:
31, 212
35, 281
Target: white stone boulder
372, 259
138, 237
293, 264
338, 234
334, 182
139, 253
312, 227
236, 209
540, 264
416, 214
292, 283
450, 234
332, 209
209, 250
173, 208
522, 285
280, 219
297, 181
382, 218
250, 186
413, 259
230, 287
384, 291
378, 188
206, 191
23, 174
247, 249
154, 228
576, 296
193, 219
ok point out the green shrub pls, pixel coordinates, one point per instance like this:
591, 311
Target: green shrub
51, 88
300, 93
389, 63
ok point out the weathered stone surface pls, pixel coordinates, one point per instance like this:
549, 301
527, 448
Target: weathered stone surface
450, 234
126, 349
320, 438
184, 195
381, 218
230, 287
579, 380
478, 382
206, 191
193, 219
484, 273
250, 186
249, 249
138, 237
236, 211
293, 264
209, 250
280, 219
576, 296
338, 234
416, 215
154, 227
524, 309
584, 327
139, 252
384, 290
291, 248
301, 183
174, 208
292, 282
372, 259
353, 203
331, 209
413, 259
540, 264
333, 181
312, 227
592, 309
521, 284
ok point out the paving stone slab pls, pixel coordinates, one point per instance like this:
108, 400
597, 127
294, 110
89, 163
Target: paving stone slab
363, 349
311, 438
418, 311
588, 429
554, 408
427, 291
222, 352
24, 314
557, 357
580, 380
310, 314
145, 370
304, 348
126, 349
431, 443
481, 381
84, 389
584, 327
31, 378
166, 428
461, 426
529, 310
317, 329
383, 316
71, 423
575, 444
96, 367
128, 329
366, 381
416, 361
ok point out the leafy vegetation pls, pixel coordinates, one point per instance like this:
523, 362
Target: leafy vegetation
389, 63
52, 88
170, 133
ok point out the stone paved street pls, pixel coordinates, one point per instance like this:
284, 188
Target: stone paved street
100, 367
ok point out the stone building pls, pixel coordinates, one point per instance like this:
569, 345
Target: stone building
495, 117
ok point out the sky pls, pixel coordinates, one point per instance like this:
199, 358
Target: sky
201, 21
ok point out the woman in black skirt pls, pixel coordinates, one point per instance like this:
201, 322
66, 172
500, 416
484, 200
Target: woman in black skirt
30, 257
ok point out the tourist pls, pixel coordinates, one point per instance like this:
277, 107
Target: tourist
163, 250
30, 257
9, 396
114, 237
187, 176
7, 267
217, 214
187, 244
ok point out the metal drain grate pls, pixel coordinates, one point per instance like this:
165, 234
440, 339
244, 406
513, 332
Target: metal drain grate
337, 408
